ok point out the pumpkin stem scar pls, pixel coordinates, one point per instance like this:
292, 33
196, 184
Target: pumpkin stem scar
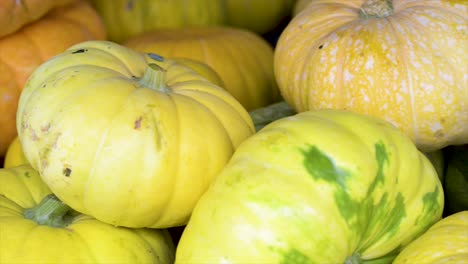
50, 212
353, 259
376, 9
154, 78
155, 57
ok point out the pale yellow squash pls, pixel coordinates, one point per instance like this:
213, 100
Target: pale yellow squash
132, 139
402, 61
37, 228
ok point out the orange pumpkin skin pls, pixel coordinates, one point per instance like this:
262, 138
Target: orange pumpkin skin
27, 48
15, 14
409, 68
243, 59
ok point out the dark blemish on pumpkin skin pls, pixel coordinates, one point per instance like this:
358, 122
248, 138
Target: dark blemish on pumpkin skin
320, 47
34, 136
45, 129
130, 5
138, 123
67, 172
79, 51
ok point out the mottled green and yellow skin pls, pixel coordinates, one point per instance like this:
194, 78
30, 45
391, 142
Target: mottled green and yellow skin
326, 186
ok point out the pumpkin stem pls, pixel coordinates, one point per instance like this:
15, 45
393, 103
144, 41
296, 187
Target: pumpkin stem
376, 8
51, 212
154, 78
353, 259
265, 115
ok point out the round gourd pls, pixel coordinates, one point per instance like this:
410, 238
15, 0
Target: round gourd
202, 69
324, 186
445, 242
15, 14
37, 228
14, 155
24, 50
243, 60
402, 61
128, 18
132, 139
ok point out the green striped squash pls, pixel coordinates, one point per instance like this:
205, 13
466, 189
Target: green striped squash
327, 186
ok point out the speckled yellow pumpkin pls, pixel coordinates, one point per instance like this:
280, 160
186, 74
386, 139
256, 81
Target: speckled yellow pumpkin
132, 139
445, 242
37, 228
403, 61
243, 60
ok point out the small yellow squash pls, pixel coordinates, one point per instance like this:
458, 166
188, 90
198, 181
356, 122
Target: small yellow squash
37, 228
132, 139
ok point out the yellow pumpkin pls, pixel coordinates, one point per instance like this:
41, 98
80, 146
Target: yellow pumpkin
15, 14
445, 242
132, 139
25, 49
243, 60
35, 227
128, 18
14, 155
403, 61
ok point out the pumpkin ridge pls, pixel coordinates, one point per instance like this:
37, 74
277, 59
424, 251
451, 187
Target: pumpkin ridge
402, 48
247, 93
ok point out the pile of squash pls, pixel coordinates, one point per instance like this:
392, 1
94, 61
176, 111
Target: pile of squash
232, 131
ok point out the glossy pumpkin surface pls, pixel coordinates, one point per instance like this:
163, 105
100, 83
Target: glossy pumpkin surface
82, 240
378, 57
128, 18
132, 139
24, 50
15, 14
445, 242
243, 60
323, 186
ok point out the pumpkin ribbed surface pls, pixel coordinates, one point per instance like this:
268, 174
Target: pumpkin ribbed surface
322, 186
82, 240
402, 61
132, 139
243, 60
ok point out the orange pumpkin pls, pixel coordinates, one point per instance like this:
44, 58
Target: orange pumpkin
24, 50
15, 14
